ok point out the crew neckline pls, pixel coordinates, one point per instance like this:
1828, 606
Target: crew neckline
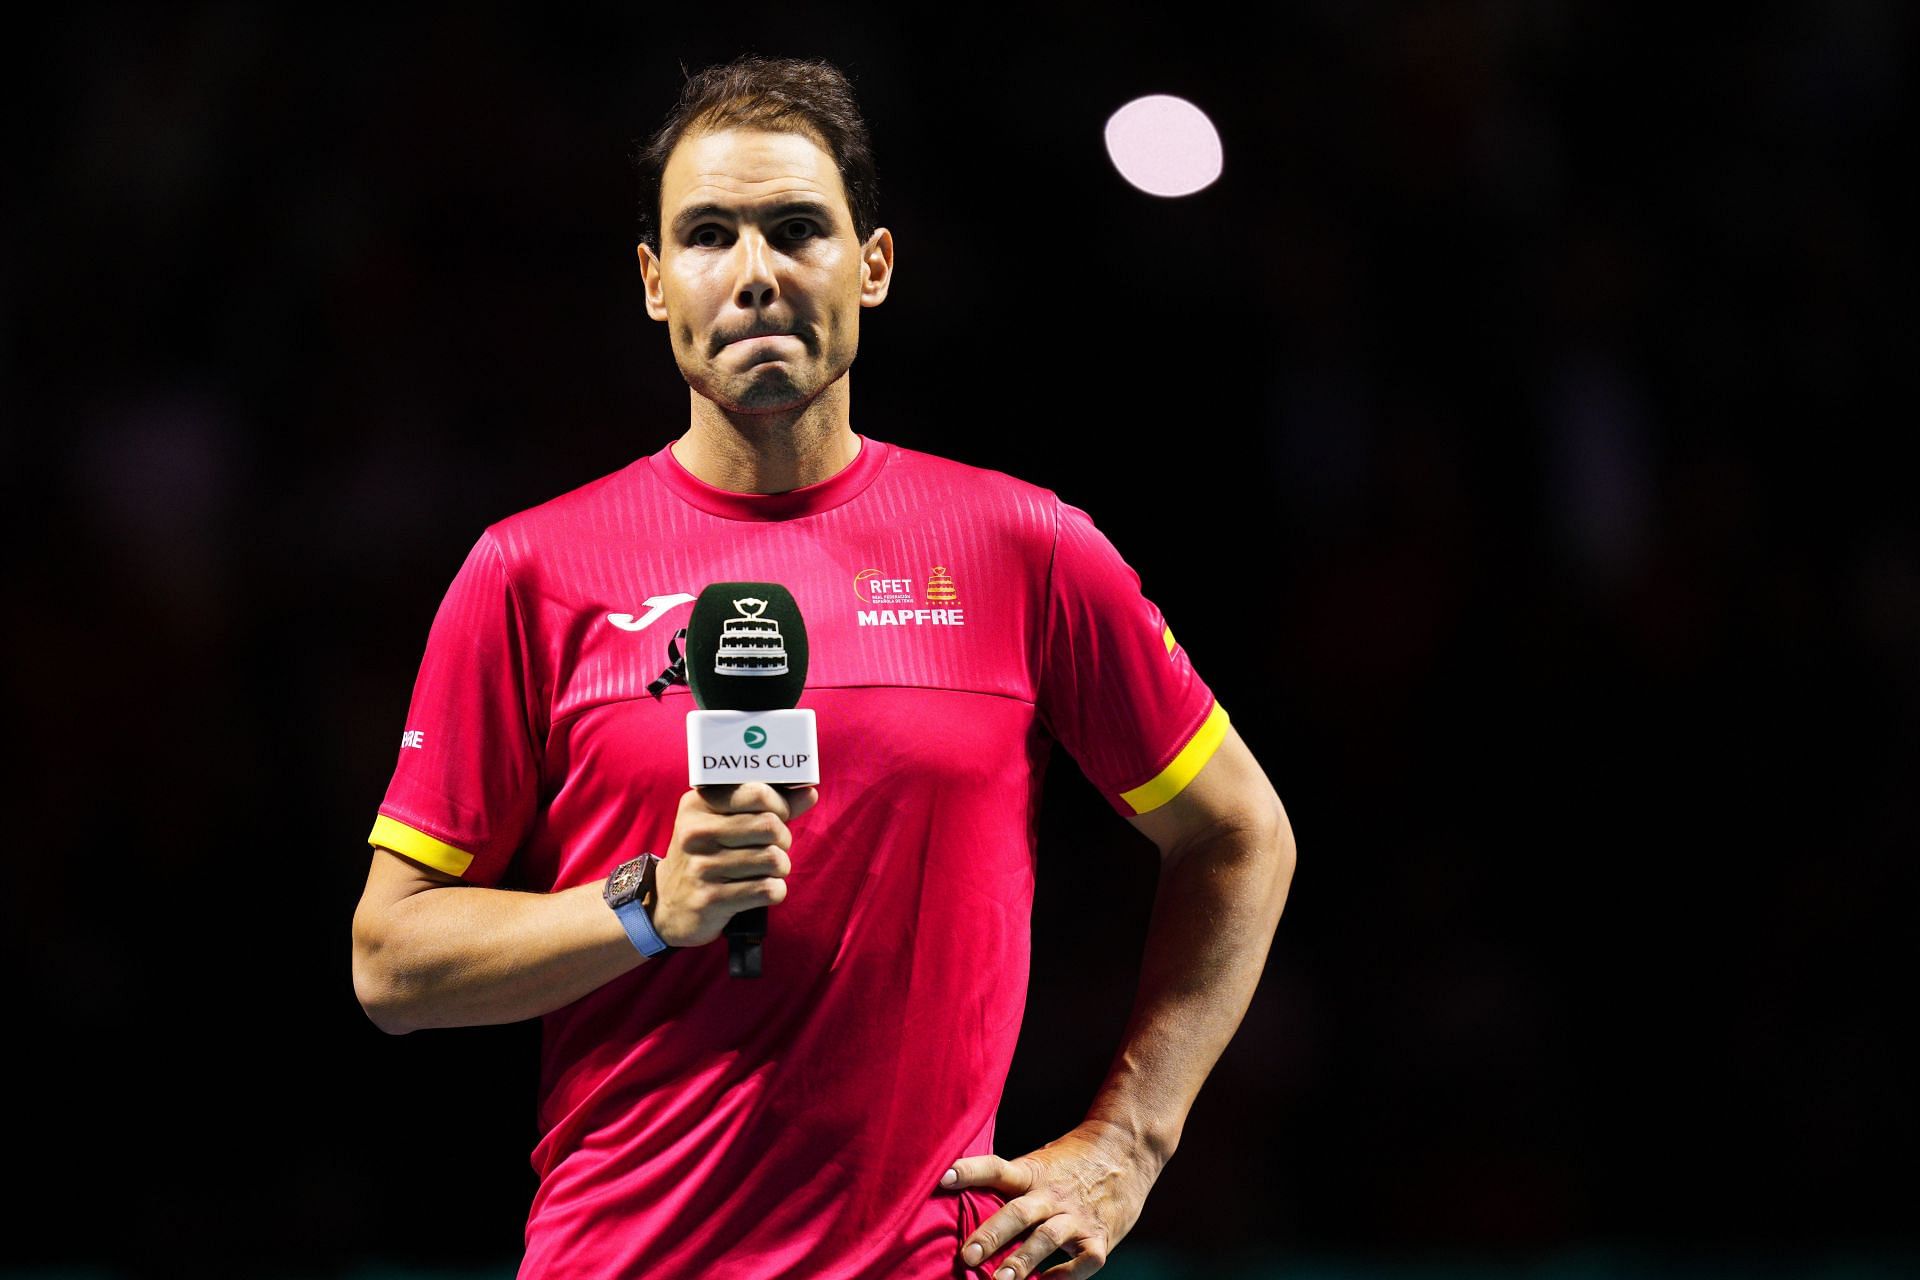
822, 495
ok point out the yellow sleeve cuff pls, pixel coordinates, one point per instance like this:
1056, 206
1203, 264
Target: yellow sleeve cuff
419, 846
1170, 781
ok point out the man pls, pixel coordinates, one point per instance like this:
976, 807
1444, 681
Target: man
834, 1116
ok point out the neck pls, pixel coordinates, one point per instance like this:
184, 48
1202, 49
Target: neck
769, 452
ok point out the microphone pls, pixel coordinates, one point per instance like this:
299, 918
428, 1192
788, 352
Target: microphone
746, 665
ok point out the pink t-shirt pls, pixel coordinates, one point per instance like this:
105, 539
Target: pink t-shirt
960, 621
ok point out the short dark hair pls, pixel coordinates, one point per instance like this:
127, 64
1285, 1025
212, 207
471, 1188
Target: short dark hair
790, 95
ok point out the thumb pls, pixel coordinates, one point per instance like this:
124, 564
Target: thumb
801, 799
977, 1171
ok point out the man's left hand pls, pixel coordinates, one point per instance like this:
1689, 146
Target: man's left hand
1081, 1193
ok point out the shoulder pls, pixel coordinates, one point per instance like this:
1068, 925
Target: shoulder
984, 494
567, 519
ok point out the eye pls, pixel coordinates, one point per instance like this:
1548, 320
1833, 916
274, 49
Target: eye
806, 229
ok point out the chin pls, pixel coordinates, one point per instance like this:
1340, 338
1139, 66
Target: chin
769, 394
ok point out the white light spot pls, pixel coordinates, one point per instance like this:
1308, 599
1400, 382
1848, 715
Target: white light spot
1164, 145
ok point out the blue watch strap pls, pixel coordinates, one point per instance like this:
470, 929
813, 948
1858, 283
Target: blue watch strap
633, 917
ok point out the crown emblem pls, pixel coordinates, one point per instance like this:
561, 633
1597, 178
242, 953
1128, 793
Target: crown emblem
940, 589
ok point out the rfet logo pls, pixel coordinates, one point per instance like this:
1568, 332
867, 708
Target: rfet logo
874, 587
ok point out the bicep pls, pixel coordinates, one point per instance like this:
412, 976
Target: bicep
392, 878
1231, 792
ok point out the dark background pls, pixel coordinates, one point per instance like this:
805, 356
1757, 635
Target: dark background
1516, 436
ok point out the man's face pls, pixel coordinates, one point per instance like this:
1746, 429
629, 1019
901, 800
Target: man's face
757, 239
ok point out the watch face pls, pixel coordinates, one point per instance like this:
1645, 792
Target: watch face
625, 880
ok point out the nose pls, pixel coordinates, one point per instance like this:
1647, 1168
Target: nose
754, 285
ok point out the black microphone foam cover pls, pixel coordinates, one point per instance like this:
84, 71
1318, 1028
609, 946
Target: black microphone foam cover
746, 648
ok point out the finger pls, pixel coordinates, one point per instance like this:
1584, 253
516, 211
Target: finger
800, 799
744, 797
728, 832
771, 890
1084, 1265
734, 866
752, 831
1039, 1245
1087, 1250
770, 862
1001, 1229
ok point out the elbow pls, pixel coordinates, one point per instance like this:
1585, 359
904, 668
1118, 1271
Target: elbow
381, 1013
1286, 854
1283, 836
373, 987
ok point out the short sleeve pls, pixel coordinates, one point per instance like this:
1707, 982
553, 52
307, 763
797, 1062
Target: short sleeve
464, 789
1116, 690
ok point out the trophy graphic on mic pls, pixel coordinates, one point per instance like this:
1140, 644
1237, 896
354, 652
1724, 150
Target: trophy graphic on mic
750, 644
746, 666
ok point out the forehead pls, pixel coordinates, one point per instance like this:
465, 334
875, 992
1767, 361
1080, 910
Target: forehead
747, 167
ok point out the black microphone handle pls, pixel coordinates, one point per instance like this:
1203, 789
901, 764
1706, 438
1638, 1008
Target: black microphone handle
744, 933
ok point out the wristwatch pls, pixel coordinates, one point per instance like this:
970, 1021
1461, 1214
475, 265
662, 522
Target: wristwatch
630, 892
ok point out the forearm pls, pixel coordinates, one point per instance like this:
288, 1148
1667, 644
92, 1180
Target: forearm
463, 956
1214, 916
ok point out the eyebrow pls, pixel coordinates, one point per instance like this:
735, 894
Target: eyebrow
686, 218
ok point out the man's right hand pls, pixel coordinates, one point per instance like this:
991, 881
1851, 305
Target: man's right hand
728, 854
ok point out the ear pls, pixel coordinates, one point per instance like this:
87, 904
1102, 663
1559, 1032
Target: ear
876, 268
650, 274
